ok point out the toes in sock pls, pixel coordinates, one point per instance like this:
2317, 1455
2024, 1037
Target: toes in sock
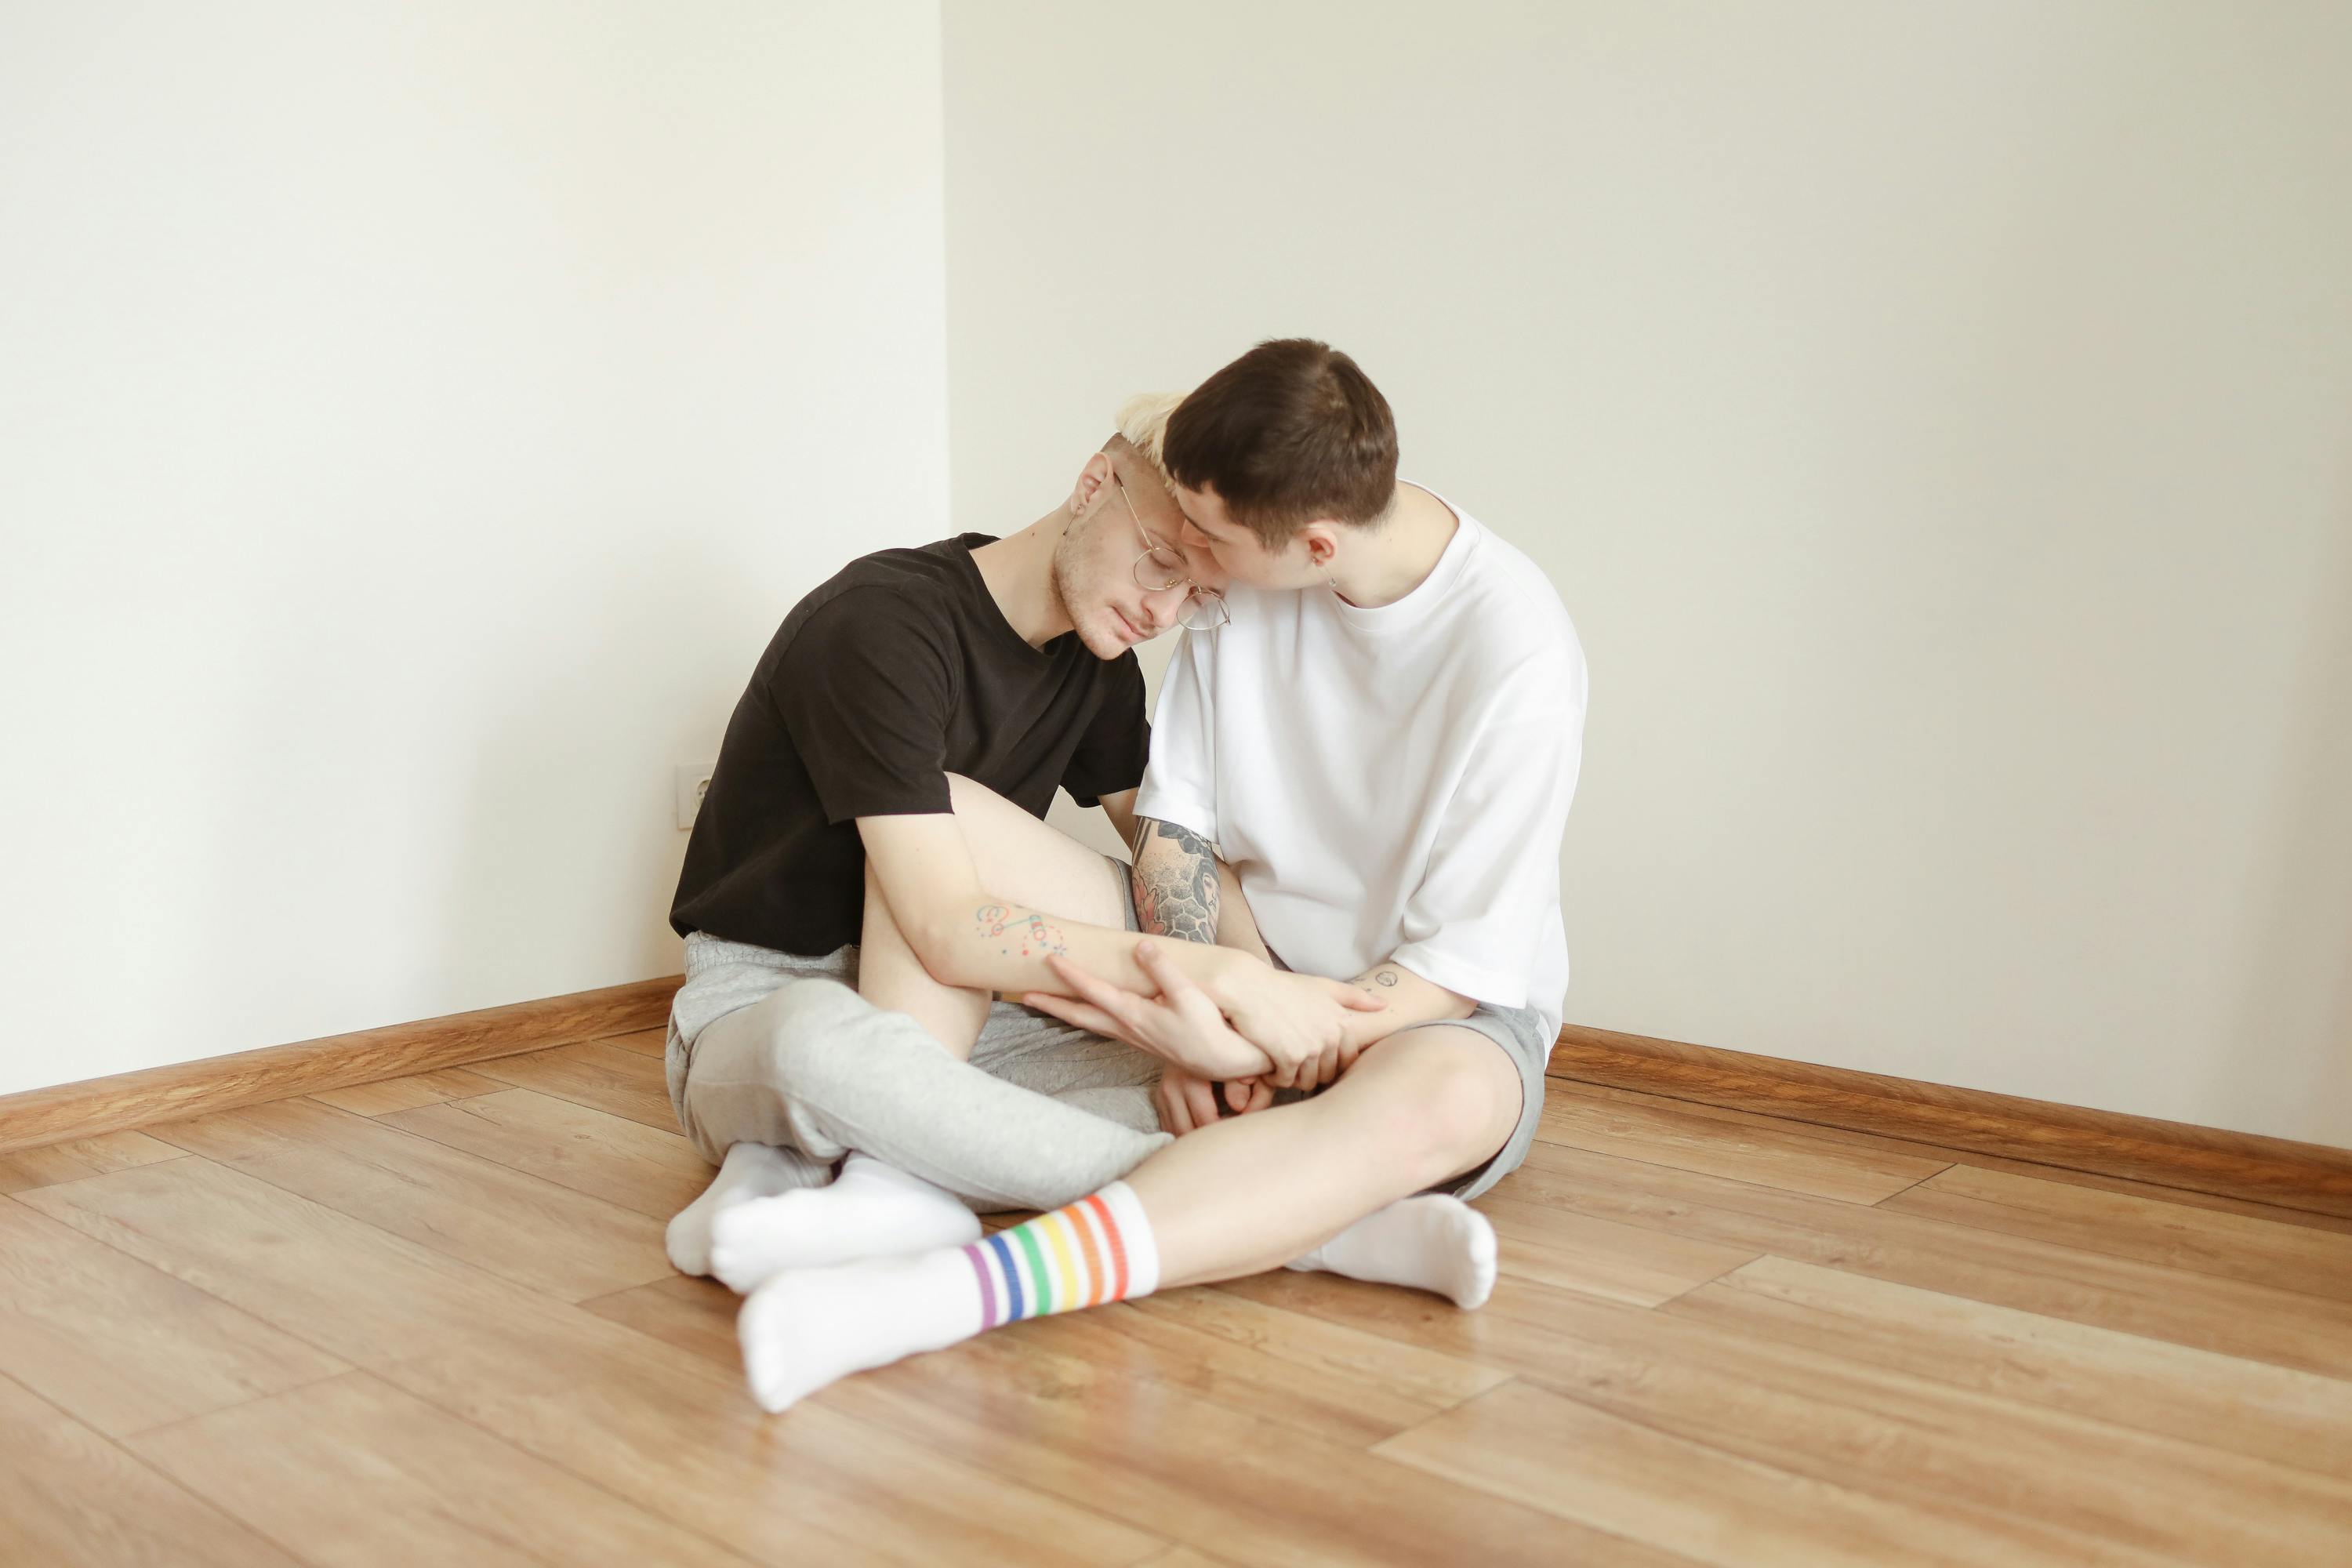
1430, 1243
751, 1171
804, 1329
873, 1210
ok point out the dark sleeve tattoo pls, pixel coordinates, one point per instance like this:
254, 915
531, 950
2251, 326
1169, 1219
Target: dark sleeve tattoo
1177, 895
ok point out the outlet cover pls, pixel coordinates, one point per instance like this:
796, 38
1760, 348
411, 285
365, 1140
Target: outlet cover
693, 784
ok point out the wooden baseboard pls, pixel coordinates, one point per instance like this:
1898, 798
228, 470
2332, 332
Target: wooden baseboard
127, 1100
2309, 1177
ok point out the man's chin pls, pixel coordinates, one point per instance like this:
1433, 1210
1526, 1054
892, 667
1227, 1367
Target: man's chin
1111, 635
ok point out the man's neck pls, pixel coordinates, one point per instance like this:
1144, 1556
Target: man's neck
1019, 573
1393, 559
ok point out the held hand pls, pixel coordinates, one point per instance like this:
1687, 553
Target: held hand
1299, 1021
1185, 1103
1244, 1094
1179, 1025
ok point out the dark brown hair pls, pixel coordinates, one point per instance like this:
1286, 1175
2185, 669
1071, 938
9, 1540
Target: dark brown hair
1290, 432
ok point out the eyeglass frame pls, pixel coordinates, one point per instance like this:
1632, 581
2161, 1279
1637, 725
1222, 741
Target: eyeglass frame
1208, 598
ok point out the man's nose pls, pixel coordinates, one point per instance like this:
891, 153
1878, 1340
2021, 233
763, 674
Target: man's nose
1164, 606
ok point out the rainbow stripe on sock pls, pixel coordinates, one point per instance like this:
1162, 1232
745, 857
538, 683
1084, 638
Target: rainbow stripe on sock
1058, 1262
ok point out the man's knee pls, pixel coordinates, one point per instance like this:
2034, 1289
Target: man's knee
1449, 1099
818, 1036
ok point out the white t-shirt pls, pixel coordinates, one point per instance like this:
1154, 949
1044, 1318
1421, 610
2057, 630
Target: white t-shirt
1390, 782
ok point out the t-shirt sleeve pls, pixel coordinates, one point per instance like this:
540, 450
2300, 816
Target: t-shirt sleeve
1180, 786
1473, 922
1111, 754
865, 690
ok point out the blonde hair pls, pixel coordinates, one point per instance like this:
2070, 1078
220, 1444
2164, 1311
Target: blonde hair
1143, 422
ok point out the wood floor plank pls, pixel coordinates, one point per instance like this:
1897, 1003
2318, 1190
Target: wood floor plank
2278, 1414
2092, 1179
695, 1315
1600, 1258
1426, 1378
1126, 1342
1538, 1448
354, 1473
1236, 1487
1336, 1383
1085, 1427
512, 1223
406, 1093
672, 1434
358, 1293
600, 1073
2048, 1481
1778, 1157
2052, 1485
680, 1436
2233, 1247
2257, 1321
119, 1345
70, 1162
644, 1042
652, 1172
70, 1496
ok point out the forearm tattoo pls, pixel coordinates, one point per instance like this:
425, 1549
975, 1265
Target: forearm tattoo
1177, 894
1377, 980
1028, 932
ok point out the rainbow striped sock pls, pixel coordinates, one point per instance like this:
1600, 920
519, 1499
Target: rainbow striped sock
1095, 1251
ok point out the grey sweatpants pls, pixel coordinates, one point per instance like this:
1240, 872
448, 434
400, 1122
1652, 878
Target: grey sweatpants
770, 1048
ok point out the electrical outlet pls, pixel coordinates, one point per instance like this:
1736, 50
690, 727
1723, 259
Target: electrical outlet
693, 784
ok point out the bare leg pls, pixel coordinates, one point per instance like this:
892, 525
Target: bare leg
1231, 1199
1252, 1191
1020, 860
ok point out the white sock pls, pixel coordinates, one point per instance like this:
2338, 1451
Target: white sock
872, 1210
807, 1327
1430, 1243
749, 1171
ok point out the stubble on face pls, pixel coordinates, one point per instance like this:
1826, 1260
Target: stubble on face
1080, 585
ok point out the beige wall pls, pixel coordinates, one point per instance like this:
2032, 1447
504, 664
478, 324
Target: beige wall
414, 420
1935, 418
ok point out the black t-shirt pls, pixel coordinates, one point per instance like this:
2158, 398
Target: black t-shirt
897, 672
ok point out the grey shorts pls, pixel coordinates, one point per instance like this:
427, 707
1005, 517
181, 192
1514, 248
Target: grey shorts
1527, 1039
1017, 1043
1039, 1052
1522, 1034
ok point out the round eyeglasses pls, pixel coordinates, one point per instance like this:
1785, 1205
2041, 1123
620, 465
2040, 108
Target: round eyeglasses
1161, 567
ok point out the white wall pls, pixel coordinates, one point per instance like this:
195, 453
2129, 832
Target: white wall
1935, 417
414, 417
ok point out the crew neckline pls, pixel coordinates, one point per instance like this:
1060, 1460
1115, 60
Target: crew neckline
1000, 626
1397, 614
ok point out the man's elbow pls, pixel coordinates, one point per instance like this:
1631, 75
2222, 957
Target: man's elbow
942, 942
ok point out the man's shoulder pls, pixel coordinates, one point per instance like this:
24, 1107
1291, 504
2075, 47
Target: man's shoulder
892, 592
1507, 610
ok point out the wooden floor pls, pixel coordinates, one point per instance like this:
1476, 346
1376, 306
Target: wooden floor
429, 1321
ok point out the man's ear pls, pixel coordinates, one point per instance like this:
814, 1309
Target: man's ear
1091, 480
1322, 542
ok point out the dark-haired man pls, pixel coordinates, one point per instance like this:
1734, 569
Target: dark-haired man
1383, 740
874, 820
